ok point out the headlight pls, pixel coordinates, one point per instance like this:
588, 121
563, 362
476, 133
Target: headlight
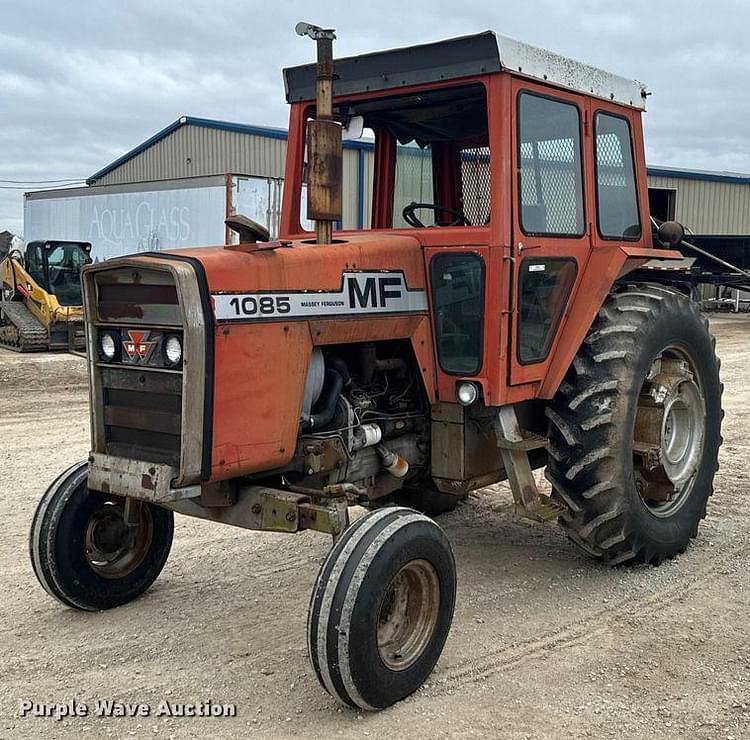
467, 393
173, 350
108, 346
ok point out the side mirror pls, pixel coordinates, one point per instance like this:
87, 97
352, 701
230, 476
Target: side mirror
671, 232
354, 128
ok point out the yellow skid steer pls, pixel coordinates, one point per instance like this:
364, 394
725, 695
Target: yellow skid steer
40, 296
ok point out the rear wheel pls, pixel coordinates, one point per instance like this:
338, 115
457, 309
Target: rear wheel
635, 428
88, 552
381, 608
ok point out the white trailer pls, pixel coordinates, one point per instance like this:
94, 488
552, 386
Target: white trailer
151, 216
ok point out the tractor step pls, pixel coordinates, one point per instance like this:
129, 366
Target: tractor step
526, 443
515, 445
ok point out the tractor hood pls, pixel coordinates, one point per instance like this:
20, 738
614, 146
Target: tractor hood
365, 274
271, 306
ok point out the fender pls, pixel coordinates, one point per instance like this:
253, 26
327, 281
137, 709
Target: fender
603, 268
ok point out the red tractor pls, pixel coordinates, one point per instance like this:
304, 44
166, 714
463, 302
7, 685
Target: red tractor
499, 313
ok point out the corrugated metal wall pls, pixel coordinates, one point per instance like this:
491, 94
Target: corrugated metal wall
709, 207
193, 151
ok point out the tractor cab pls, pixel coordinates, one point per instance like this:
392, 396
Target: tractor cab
56, 267
521, 175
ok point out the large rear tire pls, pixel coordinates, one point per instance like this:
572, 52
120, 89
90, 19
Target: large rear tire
381, 608
635, 428
85, 554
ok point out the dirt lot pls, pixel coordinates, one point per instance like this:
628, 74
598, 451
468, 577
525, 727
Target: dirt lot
545, 643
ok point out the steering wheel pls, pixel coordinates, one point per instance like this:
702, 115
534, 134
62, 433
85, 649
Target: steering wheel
411, 219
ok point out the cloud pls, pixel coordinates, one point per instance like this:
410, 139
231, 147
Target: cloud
82, 82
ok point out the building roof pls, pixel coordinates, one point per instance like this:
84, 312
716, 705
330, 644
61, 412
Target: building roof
463, 56
280, 133
269, 132
682, 173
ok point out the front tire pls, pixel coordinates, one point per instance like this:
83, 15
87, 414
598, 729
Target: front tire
635, 428
83, 552
381, 608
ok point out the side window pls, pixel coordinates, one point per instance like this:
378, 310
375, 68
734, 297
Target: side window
617, 202
33, 260
458, 303
543, 295
550, 166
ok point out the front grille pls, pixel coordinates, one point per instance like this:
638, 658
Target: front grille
142, 414
141, 398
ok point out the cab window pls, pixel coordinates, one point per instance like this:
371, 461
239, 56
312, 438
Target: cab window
616, 197
64, 265
458, 304
543, 295
550, 166
430, 160
35, 265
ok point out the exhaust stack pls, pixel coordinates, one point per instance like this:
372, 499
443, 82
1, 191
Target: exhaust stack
324, 150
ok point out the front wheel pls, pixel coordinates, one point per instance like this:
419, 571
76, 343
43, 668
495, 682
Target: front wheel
87, 552
635, 428
381, 608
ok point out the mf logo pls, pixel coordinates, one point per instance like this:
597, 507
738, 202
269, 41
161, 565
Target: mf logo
138, 348
373, 292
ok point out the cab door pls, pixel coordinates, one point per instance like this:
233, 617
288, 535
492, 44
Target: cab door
550, 226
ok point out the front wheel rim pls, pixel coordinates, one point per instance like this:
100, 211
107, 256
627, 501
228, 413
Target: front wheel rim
113, 549
408, 615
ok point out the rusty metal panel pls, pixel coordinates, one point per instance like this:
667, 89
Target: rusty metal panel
448, 450
135, 478
464, 443
324, 171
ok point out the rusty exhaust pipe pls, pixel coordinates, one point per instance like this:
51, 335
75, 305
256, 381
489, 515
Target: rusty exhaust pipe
324, 148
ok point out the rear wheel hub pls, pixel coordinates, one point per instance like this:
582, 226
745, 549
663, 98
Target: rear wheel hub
669, 432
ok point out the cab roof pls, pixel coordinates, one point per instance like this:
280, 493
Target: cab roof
463, 56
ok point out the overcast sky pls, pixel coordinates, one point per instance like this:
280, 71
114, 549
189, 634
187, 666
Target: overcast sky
82, 82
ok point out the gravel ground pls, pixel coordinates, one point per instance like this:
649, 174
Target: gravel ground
545, 642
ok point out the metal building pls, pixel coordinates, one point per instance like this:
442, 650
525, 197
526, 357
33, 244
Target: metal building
706, 202
176, 188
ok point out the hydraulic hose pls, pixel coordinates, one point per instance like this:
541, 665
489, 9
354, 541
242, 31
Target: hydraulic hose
340, 366
332, 387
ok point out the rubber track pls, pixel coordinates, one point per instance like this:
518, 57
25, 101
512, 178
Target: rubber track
20, 331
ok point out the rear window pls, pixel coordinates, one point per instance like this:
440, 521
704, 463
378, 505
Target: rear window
458, 304
617, 201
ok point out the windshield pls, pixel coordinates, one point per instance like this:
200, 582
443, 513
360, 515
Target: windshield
425, 160
64, 264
